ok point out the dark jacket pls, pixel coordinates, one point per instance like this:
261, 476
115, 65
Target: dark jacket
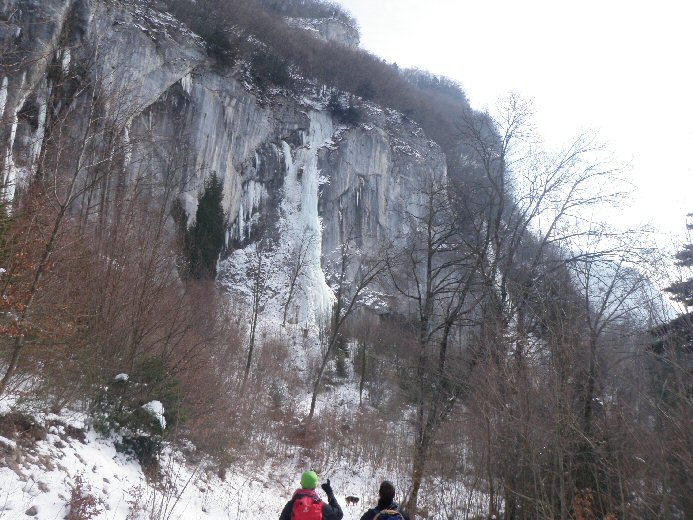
330, 509
370, 514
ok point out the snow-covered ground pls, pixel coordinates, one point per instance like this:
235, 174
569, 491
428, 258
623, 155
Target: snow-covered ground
40, 478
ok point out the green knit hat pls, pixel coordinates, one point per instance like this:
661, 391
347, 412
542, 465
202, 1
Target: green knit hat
309, 480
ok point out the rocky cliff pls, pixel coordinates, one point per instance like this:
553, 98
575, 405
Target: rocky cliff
289, 169
328, 29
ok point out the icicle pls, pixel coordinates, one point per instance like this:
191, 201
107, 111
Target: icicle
3, 95
186, 83
241, 223
251, 200
66, 59
127, 145
10, 173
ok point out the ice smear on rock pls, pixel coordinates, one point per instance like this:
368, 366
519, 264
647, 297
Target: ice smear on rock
3, 95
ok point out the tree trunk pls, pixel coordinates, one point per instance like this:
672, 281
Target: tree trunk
417, 474
362, 383
292, 286
318, 380
489, 472
251, 348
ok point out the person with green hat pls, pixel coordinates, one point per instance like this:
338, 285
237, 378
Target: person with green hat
305, 504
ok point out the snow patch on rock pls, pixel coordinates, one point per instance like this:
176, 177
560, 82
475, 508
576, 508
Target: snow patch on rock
7, 443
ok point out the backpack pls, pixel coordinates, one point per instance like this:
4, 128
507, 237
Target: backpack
387, 514
306, 507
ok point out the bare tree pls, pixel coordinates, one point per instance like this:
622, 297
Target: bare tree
365, 330
258, 276
74, 151
530, 206
434, 271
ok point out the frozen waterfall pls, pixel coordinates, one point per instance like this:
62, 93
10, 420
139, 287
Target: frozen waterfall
301, 223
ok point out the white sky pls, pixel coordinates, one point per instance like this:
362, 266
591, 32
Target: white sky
622, 68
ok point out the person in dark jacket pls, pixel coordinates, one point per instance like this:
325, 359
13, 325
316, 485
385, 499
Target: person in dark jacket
309, 481
386, 502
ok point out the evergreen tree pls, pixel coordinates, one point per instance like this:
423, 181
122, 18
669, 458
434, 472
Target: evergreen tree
676, 335
205, 239
683, 291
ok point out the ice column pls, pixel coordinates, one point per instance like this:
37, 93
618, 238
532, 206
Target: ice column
301, 220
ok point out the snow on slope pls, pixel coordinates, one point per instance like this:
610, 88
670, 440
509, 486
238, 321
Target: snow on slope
41, 479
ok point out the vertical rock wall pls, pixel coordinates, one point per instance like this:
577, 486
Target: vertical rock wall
288, 169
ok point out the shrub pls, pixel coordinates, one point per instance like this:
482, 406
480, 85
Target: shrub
83, 505
270, 67
219, 47
146, 448
121, 410
350, 115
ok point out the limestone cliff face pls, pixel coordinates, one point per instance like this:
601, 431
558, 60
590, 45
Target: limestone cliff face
329, 29
178, 113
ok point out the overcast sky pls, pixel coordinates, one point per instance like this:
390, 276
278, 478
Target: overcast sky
622, 68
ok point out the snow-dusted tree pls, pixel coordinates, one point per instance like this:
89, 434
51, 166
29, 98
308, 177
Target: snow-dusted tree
297, 264
356, 272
